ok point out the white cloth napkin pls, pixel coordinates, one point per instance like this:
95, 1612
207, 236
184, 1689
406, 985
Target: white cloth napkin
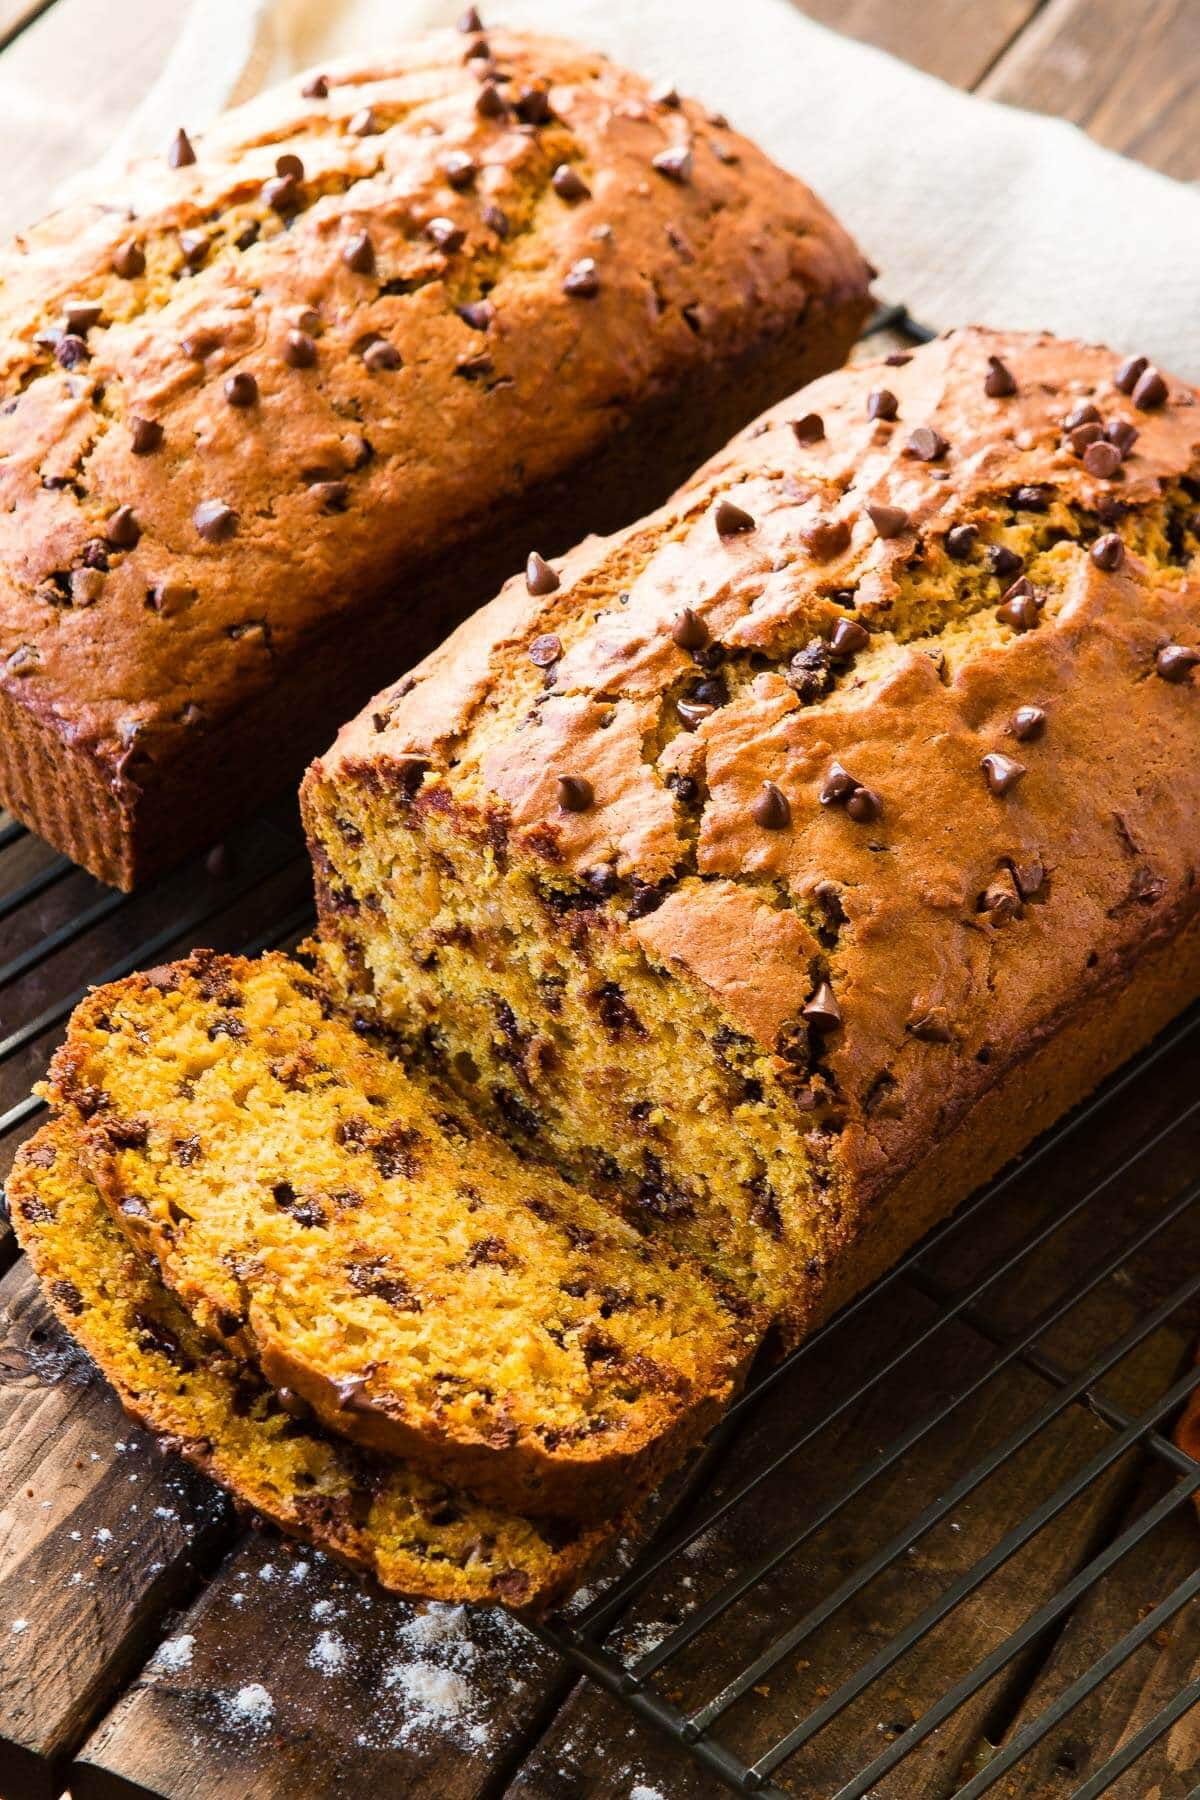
972, 211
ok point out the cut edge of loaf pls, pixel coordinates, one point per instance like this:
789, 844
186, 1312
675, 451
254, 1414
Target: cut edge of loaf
418, 1537
621, 1360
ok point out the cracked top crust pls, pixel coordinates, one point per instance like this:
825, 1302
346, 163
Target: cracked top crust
395, 264
940, 878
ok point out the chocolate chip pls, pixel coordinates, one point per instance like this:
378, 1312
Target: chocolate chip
837, 786
380, 355
241, 389
1130, 373
1150, 391
960, 541
1004, 562
181, 153
282, 194
478, 314
665, 94
823, 1012
1021, 612
582, 279
849, 637
81, 317
864, 805
199, 344
459, 169
1027, 722
1108, 552
193, 246
1102, 460
1082, 436
448, 236
772, 809
1032, 499
496, 219
289, 164
533, 105
1001, 772
932, 1027
316, 88
470, 21
1000, 901
693, 712
689, 630
730, 519
359, 253
1175, 662
364, 123
882, 404
145, 435
675, 162
808, 671
889, 521
70, 351
574, 793
331, 496
540, 578
215, 521
545, 650
299, 350
1082, 415
171, 597
122, 530
129, 260
1122, 434
927, 444
810, 429
489, 102
1030, 877
569, 184
998, 383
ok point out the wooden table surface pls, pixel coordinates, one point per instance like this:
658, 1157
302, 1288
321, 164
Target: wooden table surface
104, 1579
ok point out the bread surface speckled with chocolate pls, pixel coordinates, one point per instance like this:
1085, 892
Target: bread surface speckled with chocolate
283, 405
837, 825
418, 1537
424, 1290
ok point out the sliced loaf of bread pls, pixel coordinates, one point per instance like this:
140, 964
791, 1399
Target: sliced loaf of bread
416, 1536
425, 1290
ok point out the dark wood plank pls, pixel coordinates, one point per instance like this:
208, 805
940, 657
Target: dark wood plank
940, 36
1131, 1696
1126, 72
301, 1681
98, 1538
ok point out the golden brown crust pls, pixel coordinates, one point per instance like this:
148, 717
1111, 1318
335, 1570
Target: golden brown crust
415, 1535
926, 937
242, 358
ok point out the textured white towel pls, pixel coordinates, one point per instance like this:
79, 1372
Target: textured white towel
972, 211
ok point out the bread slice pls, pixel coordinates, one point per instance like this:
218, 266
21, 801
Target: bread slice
416, 1536
422, 1288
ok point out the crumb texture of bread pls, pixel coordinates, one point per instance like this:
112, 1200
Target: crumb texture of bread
422, 1289
418, 1537
738, 871
251, 395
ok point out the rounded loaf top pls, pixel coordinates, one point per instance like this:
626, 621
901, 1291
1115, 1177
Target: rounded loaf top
396, 292
886, 722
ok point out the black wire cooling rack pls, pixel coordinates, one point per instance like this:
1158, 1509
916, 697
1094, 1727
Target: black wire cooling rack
923, 1552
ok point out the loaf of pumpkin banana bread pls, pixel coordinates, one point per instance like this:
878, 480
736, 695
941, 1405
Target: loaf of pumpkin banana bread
416, 1536
783, 864
285, 404
423, 1290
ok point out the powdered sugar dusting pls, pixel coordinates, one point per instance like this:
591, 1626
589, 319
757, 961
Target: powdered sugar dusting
250, 1709
175, 1653
328, 1653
